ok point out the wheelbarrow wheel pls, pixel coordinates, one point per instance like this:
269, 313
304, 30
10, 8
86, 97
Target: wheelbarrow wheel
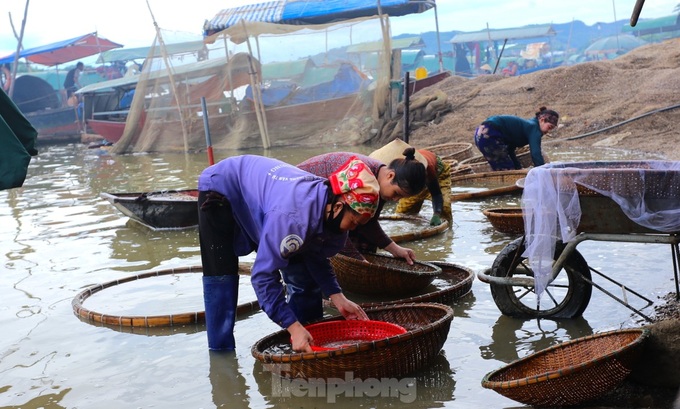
567, 296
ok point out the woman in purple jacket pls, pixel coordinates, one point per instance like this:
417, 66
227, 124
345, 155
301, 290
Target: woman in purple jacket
288, 216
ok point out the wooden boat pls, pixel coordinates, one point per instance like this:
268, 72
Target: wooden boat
112, 131
43, 103
40, 104
168, 209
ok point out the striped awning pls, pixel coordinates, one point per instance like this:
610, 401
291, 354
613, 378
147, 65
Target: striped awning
269, 12
296, 12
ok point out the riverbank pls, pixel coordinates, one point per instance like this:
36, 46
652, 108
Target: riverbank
621, 103
630, 103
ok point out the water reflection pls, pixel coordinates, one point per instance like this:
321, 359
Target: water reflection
144, 248
430, 387
227, 382
513, 338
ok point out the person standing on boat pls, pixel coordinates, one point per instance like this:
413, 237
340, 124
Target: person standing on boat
72, 81
401, 177
289, 217
499, 136
437, 180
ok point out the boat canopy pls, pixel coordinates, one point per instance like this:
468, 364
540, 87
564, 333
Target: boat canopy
504, 34
653, 26
140, 53
298, 12
64, 51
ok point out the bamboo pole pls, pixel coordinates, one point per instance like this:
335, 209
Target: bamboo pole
19, 46
257, 96
171, 76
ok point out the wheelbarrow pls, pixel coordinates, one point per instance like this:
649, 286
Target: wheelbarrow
617, 201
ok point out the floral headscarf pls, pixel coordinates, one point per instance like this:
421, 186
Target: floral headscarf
355, 182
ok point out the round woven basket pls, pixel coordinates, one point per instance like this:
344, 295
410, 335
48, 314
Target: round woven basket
457, 151
460, 170
509, 220
458, 283
149, 321
382, 274
479, 164
491, 179
427, 327
425, 231
571, 372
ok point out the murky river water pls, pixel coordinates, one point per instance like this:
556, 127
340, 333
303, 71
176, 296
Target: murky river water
58, 237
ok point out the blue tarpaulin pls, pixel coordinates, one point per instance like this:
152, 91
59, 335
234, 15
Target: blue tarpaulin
296, 12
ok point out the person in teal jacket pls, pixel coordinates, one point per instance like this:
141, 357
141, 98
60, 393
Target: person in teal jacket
499, 136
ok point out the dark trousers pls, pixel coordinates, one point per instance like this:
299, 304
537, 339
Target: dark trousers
216, 227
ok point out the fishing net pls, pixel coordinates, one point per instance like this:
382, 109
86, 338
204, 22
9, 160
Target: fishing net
648, 193
264, 85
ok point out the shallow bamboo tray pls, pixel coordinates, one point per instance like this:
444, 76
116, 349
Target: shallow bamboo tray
458, 151
479, 164
571, 372
508, 220
427, 326
149, 321
382, 274
459, 283
424, 232
499, 177
460, 170
499, 182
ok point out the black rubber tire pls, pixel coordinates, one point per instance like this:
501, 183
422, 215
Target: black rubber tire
565, 297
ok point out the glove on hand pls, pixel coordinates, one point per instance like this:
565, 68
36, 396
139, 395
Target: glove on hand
436, 220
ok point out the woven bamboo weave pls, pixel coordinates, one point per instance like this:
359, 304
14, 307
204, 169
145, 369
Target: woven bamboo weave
458, 151
427, 326
382, 274
494, 179
479, 164
571, 372
423, 232
498, 183
460, 170
149, 321
459, 283
508, 220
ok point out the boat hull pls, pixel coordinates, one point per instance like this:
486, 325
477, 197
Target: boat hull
112, 131
175, 209
55, 124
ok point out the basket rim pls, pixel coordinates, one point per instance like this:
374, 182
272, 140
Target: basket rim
643, 333
357, 347
502, 211
425, 232
435, 271
494, 173
417, 298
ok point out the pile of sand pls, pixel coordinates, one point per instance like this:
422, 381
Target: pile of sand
589, 97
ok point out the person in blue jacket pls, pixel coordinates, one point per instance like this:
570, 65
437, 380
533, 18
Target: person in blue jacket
499, 136
288, 216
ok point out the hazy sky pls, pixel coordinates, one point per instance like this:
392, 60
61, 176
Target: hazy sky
129, 22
